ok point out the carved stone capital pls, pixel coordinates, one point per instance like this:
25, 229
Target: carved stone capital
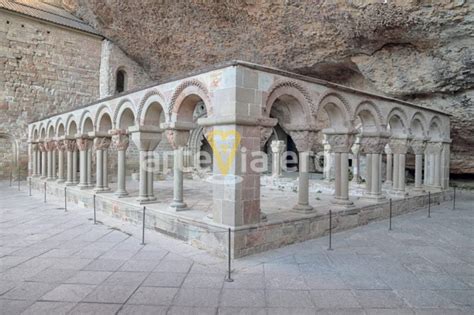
50, 145
373, 144
277, 146
121, 141
102, 143
265, 134
340, 142
71, 145
177, 138
434, 147
83, 144
399, 146
418, 146
41, 147
61, 145
305, 140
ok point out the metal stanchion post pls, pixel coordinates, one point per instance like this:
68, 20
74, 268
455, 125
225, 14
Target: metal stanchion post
390, 217
29, 187
65, 198
95, 217
429, 204
330, 230
229, 266
143, 227
44, 192
454, 198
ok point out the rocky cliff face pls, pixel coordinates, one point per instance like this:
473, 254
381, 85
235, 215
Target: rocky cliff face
420, 50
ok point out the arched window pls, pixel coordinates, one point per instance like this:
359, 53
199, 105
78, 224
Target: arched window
121, 81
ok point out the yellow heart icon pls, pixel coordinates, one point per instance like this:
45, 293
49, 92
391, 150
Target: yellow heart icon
224, 146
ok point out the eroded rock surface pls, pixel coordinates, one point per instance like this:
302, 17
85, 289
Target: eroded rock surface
418, 50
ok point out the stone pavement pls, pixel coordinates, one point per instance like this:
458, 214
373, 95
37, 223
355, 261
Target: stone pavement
57, 262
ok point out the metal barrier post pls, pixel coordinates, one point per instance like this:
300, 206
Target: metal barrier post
95, 218
454, 198
143, 227
429, 204
330, 230
44, 192
390, 218
229, 253
65, 198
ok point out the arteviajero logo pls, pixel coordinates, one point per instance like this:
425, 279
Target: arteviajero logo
224, 144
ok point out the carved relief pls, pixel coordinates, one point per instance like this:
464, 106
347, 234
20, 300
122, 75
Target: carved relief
265, 133
305, 140
373, 144
399, 146
177, 138
102, 143
70, 145
121, 141
83, 143
61, 145
340, 143
418, 146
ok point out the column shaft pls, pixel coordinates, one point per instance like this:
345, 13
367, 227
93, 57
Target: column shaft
178, 180
368, 168
60, 166
143, 191
418, 171
83, 168
49, 171
396, 165
53, 164
376, 178
303, 184
389, 168
121, 172
344, 176
98, 174
89, 166
74, 167
401, 173
105, 170
69, 179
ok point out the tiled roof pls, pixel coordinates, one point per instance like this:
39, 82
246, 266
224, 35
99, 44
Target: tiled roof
46, 12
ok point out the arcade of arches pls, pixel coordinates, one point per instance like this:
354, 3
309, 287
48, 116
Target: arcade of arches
213, 126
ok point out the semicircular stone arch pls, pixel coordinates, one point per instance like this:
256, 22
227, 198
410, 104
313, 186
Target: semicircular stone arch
185, 89
85, 115
101, 111
337, 108
418, 125
397, 122
120, 108
371, 108
151, 97
293, 89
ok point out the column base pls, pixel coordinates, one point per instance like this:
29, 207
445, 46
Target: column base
60, 180
302, 208
372, 197
70, 184
146, 200
342, 202
83, 186
178, 205
419, 190
50, 179
121, 193
399, 193
102, 190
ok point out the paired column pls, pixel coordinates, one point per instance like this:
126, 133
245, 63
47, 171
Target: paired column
101, 144
373, 145
356, 178
304, 141
399, 147
61, 146
71, 149
389, 170
34, 159
146, 138
328, 170
434, 150
418, 147
340, 145
277, 147
84, 145
44, 171
121, 141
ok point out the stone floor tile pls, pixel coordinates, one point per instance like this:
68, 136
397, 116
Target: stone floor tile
104, 265
125, 278
389, 311
285, 282
153, 296
291, 311
379, 299
164, 279
334, 299
173, 266
8, 307
68, 292
324, 281
88, 277
110, 294
463, 298
28, 291
128, 309
246, 281
195, 280
95, 309
197, 297
242, 298
242, 311
52, 275
47, 308
187, 310
289, 298
155, 255
139, 265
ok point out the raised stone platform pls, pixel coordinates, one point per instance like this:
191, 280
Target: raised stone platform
280, 227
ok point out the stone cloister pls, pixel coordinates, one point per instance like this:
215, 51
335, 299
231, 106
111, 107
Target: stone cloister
240, 109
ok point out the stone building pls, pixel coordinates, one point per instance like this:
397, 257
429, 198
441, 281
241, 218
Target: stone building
51, 62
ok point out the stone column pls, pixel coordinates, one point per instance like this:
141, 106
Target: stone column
399, 147
356, 178
341, 142
53, 161
437, 146
44, 160
61, 145
70, 149
328, 171
34, 159
445, 154
388, 152
89, 165
178, 140
101, 145
49, 158
74, 165
374, 144
121, 141
146, 138
418, 147
277, 147
304, 141
83, 144
38, 161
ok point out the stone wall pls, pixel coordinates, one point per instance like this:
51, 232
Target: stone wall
45, 69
